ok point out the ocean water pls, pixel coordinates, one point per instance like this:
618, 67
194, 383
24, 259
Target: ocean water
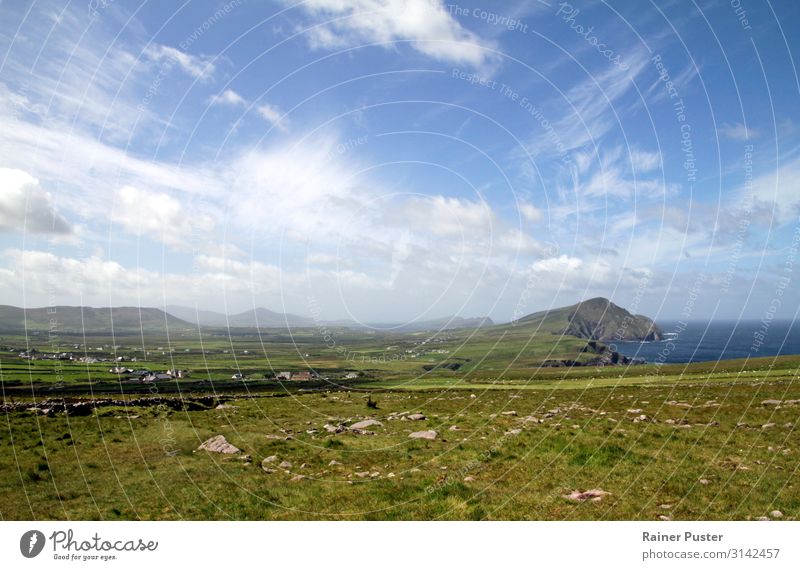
718, 340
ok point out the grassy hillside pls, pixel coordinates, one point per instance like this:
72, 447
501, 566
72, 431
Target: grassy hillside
78, 319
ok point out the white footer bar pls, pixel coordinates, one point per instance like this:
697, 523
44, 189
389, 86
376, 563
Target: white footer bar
396, 545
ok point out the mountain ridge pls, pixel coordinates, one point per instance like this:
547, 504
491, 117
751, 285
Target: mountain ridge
64, 318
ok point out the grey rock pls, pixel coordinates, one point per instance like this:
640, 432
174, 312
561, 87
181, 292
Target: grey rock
427, 434
364, 424
218, 444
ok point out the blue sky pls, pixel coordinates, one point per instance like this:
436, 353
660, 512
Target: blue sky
392, 161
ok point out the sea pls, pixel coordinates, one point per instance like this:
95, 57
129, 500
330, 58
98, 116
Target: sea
718, 340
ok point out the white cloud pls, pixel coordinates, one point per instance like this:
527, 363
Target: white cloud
531, 213
322, 259
273, 115
446, 217
45, 277
270, 113
738, 132
557, 265
779, 188
427, 24
158, 216
200, 67
24, 206
644, 161
304, 186
227, 97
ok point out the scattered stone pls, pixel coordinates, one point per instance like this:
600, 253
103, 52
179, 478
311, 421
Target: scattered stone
427, 434
390, 475
469, 479
225, 407
776, 515
333, 462
594, 495
298, 477
270, 459
285, 465
362, 474
768, 425
762, 518
532, 420
664, 518
364, 424
472, 396
636, 411
665, 507
771, 402
267, 469
416, 417
514, 432
510, 413
218, 444
704, 481
454, 428
334, 429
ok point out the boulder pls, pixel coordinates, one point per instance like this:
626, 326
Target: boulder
594, 495
416, 417
218, 444
364, 424
266, 463
426, 434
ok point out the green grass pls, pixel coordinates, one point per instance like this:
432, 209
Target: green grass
113, 466
126, 462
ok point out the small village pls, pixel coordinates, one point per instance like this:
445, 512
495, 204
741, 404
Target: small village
142, 374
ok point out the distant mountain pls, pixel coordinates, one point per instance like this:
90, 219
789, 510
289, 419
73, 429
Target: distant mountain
595, 319
78, 319
446, 323
198, 317
263, 318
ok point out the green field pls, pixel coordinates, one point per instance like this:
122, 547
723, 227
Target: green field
679, 442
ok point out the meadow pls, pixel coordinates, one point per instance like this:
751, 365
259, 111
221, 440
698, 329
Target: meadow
677, 442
